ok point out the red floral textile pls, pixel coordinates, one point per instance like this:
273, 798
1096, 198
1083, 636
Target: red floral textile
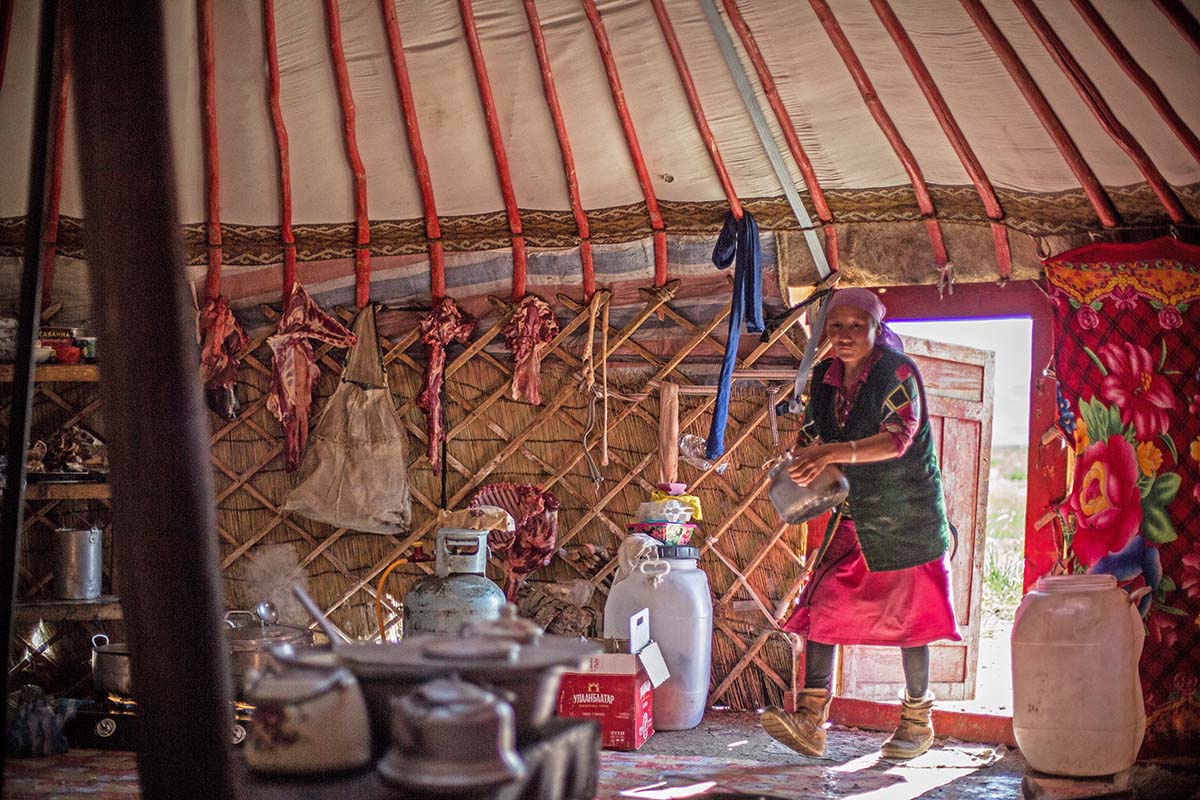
1127, 359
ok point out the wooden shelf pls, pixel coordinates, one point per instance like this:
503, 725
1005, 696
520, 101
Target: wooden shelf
68, 491
61, 373
107, 606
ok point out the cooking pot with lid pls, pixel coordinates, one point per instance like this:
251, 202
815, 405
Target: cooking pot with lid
251, 639
110, 666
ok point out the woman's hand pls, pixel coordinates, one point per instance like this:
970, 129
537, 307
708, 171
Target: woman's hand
808, 462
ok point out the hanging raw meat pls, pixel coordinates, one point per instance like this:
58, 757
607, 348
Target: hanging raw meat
445, 324
223, 340
535, 540
294, 368
532, 327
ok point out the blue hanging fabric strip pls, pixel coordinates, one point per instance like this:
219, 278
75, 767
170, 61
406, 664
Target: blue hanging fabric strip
738, 242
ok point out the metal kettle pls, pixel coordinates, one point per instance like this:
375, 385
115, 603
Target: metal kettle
457, 593
795, 503
450, 737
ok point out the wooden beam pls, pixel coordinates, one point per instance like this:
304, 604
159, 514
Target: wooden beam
287, 237
62, 88
162, 480
212, 170
467, 12
1183, 21
884, 120
631, 140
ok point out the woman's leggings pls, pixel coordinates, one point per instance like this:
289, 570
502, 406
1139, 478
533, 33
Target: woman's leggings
818, 667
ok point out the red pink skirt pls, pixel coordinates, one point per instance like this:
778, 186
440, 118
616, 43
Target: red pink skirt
845, 603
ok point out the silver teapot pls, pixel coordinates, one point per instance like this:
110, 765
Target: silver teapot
795, 503
450, 737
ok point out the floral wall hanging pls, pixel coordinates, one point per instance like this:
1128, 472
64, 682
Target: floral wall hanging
1127, 360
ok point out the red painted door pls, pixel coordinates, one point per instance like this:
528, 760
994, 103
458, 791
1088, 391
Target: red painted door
959, 390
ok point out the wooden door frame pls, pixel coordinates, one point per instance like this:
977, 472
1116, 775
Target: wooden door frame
1046, 466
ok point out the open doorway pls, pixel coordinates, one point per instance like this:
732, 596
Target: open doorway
1011, 341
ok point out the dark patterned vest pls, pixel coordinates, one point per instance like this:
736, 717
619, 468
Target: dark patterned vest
897, 505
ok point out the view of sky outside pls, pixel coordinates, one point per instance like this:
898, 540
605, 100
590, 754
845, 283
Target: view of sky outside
1011, 340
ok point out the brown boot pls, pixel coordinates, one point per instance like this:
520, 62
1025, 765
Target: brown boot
915, 732
803, 731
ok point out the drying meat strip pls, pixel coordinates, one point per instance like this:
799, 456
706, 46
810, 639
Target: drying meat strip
294, 367
535, 541
531, 328
445, 324
223, 340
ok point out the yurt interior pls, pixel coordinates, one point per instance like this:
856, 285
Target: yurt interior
598, 399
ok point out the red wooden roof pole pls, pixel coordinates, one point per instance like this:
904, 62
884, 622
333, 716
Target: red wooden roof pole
564, 145
954, 134
767, 82
635, 149
433, 230
362, 242
493, 124
924, 202
1138, 76
1041, 107
54, 191
1100, 109
212, 187
281, 142
689, 88
1182, 19
6, 19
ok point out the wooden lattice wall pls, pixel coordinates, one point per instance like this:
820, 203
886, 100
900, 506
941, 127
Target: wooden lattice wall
752, 560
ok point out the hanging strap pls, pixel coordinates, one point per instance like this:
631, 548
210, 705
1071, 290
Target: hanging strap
795, 404
734, 64
364, 364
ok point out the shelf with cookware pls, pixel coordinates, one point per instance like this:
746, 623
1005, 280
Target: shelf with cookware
104, 607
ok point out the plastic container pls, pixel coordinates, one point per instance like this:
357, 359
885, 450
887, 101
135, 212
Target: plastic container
676, 592
1077, 699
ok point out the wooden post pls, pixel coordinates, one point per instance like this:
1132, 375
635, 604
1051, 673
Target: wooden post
668, 432
163, 509
12, 507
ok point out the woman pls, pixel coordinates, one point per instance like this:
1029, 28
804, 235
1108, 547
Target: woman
884, 579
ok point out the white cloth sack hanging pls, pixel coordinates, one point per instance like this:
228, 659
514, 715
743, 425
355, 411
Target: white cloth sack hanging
354, 473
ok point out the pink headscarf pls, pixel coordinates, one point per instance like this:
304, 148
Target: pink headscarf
868, 301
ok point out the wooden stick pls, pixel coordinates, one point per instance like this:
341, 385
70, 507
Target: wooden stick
604, 351
1041, 107
668, 432
212, 171
767, 81
1139, 76
497, 140
1183, 21
281, 145
631, 140
362, 240
689, 89
955, 135
6, 20
564, 146
433, 232
859, 73
1100, 109
63, 78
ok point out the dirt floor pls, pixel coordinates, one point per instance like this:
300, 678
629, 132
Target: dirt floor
852, 767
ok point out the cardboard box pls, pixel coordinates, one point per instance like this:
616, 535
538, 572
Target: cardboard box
617, 687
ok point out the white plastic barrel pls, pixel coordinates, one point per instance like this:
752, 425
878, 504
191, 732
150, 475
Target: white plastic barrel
1077, 699
676, 592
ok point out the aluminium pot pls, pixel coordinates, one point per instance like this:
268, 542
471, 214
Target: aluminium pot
250, 643
110, 666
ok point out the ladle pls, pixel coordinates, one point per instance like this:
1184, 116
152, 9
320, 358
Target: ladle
334, 633
267, 612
